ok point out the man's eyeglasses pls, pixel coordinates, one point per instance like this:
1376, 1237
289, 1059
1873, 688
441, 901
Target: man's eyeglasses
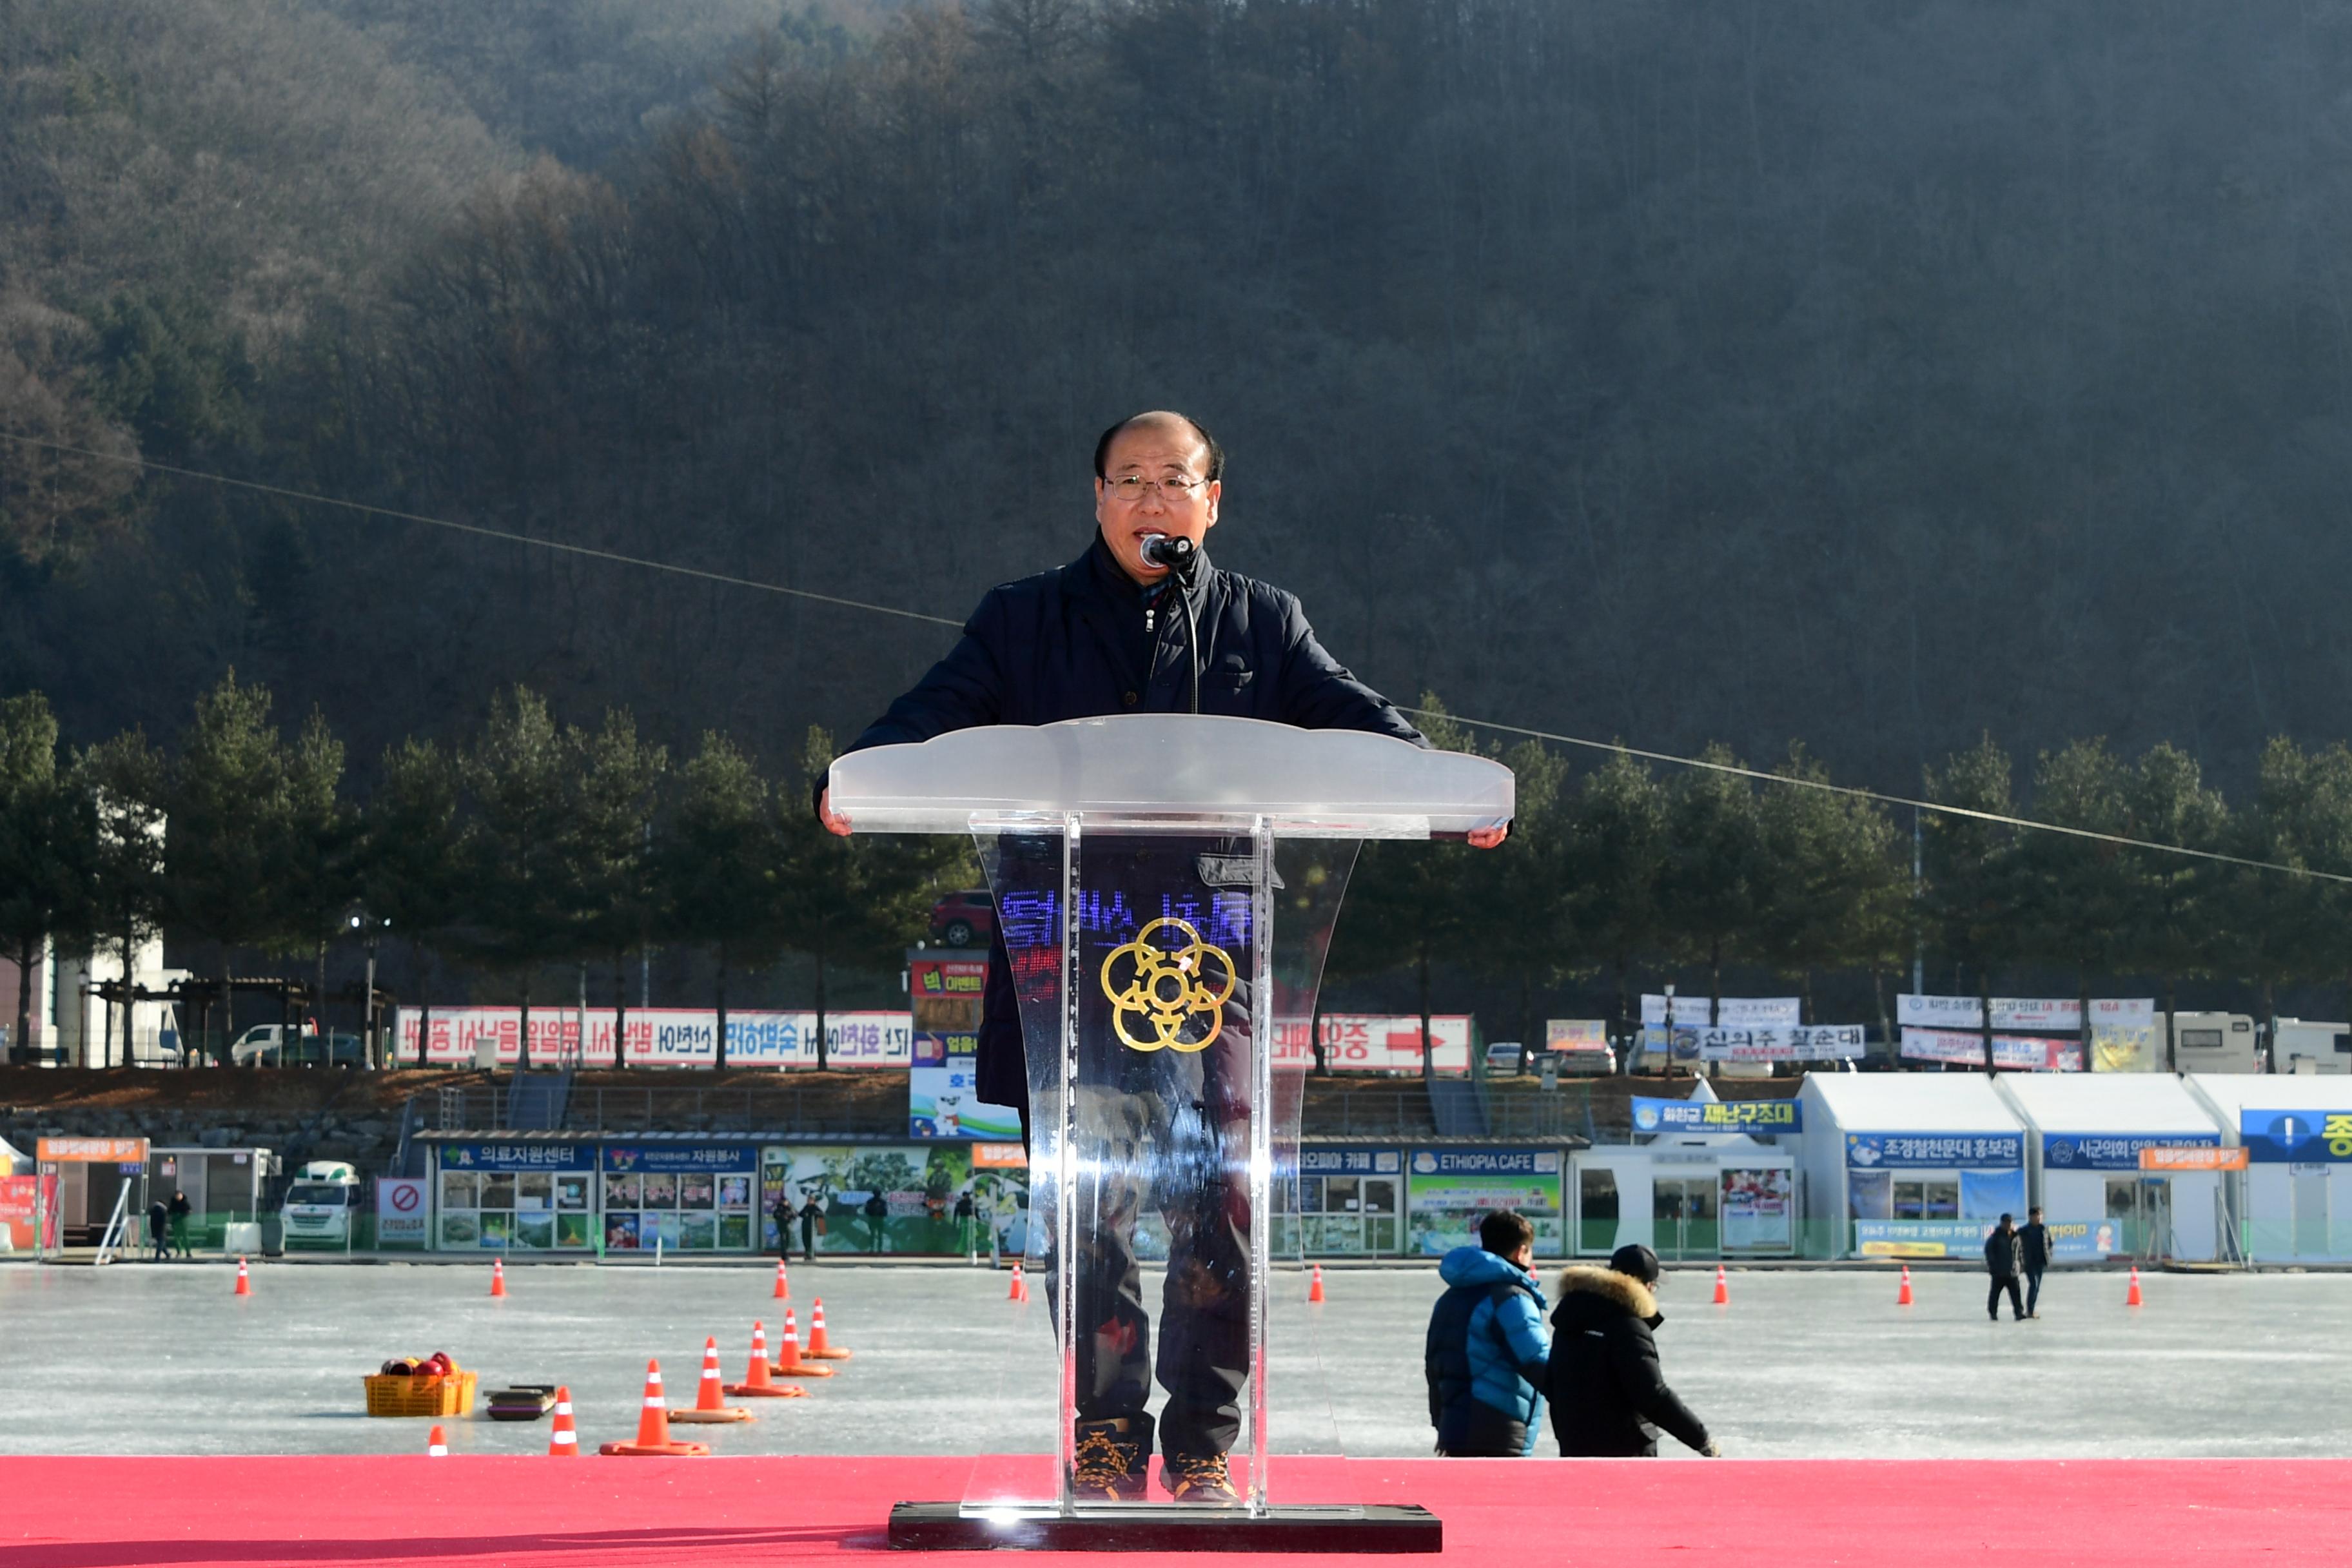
1134, 487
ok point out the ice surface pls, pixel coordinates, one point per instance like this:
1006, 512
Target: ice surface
138, 1358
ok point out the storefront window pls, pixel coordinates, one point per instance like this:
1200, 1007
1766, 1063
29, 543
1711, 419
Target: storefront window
679, 1199
1344, 1207
526, 1196
1926, 1199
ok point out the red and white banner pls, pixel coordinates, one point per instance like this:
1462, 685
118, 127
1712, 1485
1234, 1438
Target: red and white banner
2011, 1053
658, 1037
1354, 1043
2017, 1013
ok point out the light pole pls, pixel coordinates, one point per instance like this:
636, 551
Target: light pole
371, 929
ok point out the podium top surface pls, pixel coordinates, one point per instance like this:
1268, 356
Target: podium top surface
1171, 770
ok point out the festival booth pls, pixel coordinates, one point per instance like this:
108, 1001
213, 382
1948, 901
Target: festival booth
703, 1194
1707, 1180
1908, 1164
526, 1193
1350, 1201
2292, 1198
2089, 1166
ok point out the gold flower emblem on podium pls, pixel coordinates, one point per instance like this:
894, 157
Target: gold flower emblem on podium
1164, 998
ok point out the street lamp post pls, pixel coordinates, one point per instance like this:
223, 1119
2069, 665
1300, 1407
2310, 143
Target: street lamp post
372, 928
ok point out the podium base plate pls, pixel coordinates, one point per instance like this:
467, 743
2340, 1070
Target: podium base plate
1372, 1528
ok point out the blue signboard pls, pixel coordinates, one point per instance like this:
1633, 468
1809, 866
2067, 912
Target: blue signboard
682, 1157
1717, 1116
2114, 1150
1934, 1151
517, 1156
2295, 1137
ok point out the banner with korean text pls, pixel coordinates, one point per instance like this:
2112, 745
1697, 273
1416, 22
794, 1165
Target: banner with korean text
1728, 1012
2011, 1053
2071, 1241
1931, 1151
2117, 1150
2296, 1137
1717, 1116
2018, 1014
659, 1037
1784, 1043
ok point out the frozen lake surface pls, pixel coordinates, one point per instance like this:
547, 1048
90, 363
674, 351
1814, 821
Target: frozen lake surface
139, 1358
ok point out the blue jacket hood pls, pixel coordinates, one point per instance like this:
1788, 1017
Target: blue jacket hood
1476, 1265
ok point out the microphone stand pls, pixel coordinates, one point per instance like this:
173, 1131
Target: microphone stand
1183, 559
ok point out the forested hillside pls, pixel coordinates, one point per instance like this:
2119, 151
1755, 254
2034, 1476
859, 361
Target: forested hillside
1876, 378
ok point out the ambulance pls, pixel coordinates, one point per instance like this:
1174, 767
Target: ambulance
320, 1204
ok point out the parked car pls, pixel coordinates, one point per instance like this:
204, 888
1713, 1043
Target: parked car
964, 920
273, 1045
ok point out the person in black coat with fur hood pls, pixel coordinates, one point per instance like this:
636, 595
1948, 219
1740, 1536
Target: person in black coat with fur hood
1608, 1396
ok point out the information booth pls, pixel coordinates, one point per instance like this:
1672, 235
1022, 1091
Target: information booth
1166, 886
2087, 1135
1908, 1164
2292, 1201
1703, 1181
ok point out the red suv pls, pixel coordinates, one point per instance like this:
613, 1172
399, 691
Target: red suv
964, 920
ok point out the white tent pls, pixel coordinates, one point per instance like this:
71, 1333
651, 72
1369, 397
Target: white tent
1908, 1164
2293, 1202
2083, 1157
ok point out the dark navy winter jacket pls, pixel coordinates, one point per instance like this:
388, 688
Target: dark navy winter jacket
1083, 641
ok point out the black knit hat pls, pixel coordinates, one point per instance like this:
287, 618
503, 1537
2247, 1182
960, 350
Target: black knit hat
1636, 1260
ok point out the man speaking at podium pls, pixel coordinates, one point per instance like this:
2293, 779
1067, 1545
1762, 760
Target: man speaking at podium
1142, 623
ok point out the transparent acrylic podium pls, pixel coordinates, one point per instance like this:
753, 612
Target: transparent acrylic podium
1166, 885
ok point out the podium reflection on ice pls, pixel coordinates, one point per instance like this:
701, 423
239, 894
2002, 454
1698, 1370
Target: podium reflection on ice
1166, 885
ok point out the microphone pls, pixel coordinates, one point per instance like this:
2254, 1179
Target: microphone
1169, 550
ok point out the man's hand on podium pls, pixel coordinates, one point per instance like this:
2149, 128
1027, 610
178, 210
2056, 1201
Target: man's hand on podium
833, 821
1479, 838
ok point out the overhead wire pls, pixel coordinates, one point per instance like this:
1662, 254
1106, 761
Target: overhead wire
1851, 791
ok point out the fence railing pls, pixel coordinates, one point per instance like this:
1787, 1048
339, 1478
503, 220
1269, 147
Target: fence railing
780, 1108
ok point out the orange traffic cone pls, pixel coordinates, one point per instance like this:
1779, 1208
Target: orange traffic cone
1722, 1288
437, 1445
244, 1280
756, 1384
818, 1350
709, 1408
1020, 1291
1315, 1291
789, 1363
2133, 1300
563, 1442
783, 1289
653, 1427
498, 1277
1903, 1297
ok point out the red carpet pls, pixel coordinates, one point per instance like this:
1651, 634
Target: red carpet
348, 1513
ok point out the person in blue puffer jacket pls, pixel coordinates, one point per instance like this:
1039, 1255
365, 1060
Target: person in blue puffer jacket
1487, 1349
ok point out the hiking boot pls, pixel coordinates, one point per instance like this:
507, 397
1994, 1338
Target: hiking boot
1199, 1478
1109, 1463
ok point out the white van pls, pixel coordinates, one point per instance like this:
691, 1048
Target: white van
320, 1204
